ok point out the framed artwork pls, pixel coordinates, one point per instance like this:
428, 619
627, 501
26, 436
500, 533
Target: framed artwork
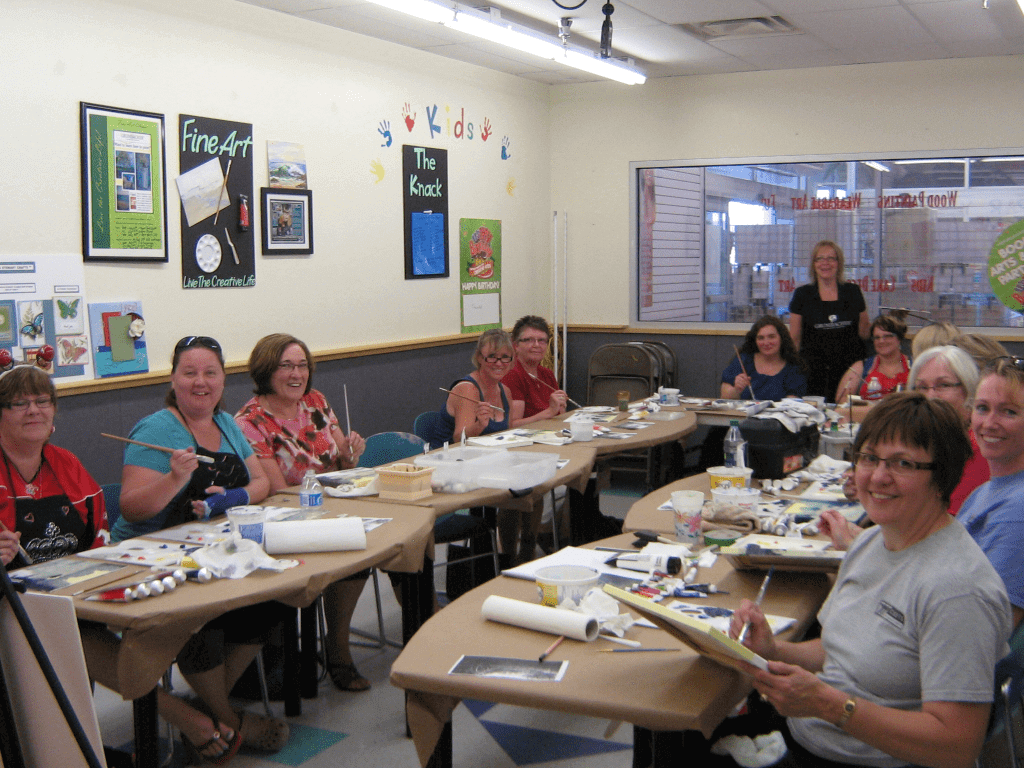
124, 206
287, 221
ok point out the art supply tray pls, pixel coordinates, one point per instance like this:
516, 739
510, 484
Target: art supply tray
462, 469
404, 482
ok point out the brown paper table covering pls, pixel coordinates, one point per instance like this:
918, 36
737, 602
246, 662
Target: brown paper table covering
155, 629
658, 433
658, 691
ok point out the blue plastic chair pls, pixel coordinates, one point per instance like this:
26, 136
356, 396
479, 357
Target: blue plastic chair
1009, 688
387, 447
112, 499
425, 426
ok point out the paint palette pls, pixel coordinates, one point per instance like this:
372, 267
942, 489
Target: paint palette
208, 253
141, 552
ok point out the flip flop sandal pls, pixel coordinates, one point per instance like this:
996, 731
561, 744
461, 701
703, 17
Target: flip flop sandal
194, 753
347, 678
265, 734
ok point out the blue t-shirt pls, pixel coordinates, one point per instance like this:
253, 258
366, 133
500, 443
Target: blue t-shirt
994, 516
789, 381
164, 428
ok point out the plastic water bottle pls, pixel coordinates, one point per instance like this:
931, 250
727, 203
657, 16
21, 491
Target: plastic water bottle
735, 446
311, 494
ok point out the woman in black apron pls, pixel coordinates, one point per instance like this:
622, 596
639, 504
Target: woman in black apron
159, 490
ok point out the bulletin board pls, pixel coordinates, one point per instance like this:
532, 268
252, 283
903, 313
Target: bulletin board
217, 243
425, 185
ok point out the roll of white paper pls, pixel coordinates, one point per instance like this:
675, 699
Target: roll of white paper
555, 621
331, 535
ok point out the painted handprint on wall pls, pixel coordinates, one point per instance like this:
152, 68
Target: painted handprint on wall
409, 116
377, 170
385, 131
486, 131
511, 187
505, 144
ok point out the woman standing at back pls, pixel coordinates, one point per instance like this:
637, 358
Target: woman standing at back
828, 321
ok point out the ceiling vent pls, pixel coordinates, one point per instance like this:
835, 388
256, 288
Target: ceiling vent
733, 29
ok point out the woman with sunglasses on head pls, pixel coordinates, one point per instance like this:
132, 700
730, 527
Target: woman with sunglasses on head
828, 320
528, 380
159, 490
894, 680
994, 513
882, 373
479, 403
292, 429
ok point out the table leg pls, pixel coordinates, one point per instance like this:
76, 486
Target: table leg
442, 756
147, 741
307, 653
290, 641
417, 591
667, 749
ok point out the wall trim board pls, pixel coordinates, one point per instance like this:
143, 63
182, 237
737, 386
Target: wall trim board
69, 389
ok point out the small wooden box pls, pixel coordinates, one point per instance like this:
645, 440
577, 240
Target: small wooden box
404, 482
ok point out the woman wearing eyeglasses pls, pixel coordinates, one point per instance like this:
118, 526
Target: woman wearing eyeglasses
159, 490
291, 428
49, 504
993, 514
530, 381
884, 372
894, 679
479, 404
828, 320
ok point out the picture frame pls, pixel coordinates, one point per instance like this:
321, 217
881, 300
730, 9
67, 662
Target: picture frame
286, 218
124, 171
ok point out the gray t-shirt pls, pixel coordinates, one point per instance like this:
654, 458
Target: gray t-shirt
927, 623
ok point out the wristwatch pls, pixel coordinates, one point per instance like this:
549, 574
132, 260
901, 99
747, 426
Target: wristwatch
848, 709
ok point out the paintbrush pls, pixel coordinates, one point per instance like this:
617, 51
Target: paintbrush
743, 368
553, 389
348, 423
21, 550
220, 197
757, 601
456, 394
551, 648
202, 458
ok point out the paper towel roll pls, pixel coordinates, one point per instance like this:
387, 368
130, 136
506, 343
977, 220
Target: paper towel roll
577, 626
331, 535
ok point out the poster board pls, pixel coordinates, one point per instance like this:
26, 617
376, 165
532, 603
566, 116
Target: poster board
45, 736
425, 211
480, 274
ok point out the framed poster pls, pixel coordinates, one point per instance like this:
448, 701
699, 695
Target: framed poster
286, 216
124, 206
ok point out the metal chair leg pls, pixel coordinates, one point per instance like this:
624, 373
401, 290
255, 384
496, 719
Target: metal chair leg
554, 522
379, 640
263, 683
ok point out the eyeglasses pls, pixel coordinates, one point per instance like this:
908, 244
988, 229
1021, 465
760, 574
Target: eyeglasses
498, 359
941, 386
197, 341
895, 465
1015, 362
883, 337
42, 403
289, 367
531, 340
818, 259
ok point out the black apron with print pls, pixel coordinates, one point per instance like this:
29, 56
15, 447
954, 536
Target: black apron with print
228, 470
51, 527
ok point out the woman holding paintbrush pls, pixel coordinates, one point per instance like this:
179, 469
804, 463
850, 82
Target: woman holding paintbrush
766, 367
902, 672
292, 429
479, 404
530, 381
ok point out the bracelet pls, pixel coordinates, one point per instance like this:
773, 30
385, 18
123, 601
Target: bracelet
848, 709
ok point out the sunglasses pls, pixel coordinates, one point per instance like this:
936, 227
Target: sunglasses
996, 363
197, 341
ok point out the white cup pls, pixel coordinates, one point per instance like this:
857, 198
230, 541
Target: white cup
581, 431
670, 396
687, 506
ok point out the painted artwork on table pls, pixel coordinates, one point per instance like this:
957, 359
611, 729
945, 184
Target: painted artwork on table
118, 338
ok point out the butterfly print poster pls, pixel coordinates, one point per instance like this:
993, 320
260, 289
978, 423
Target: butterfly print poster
30, 321
68, 315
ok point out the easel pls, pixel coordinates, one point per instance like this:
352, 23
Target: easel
12, 753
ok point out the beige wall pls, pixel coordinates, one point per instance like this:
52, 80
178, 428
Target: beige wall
294, 81
598, 129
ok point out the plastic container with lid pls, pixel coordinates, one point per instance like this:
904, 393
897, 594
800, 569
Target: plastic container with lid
558, 583
459, 469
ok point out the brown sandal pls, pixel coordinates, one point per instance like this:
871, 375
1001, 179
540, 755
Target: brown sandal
347, 678
265, 734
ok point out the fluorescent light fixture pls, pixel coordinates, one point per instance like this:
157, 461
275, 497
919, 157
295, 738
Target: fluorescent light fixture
1020, 4
877, 166
947, 161
1003, 159
491, 27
